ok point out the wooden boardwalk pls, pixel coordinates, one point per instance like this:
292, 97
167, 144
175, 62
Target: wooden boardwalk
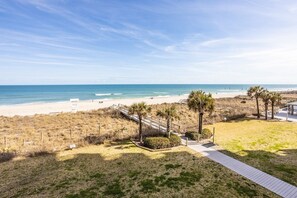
261, 178
149, 122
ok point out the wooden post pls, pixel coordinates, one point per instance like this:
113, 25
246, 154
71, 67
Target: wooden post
213, 134
187, 141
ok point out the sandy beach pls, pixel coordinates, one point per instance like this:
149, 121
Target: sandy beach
87, 105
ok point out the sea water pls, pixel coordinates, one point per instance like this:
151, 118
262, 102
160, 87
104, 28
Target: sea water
19, 94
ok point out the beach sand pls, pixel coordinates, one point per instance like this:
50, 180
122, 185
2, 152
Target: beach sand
86, 105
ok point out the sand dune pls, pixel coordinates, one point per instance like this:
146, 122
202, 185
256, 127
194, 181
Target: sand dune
86, 105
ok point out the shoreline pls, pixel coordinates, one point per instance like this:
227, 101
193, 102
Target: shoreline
30, 109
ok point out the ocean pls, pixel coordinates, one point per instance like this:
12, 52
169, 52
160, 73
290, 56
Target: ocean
20, 94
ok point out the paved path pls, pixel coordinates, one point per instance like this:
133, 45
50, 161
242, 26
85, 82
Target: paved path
269, 182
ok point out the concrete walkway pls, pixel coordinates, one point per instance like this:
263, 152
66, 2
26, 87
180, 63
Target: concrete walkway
269, 182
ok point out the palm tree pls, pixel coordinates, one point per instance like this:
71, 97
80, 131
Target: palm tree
266, 96
255, 92
200, 102
141, 109
275, 99
169, 113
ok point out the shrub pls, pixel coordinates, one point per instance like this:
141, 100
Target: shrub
174, 140
156, 142
206, 133
193, 135
237, 116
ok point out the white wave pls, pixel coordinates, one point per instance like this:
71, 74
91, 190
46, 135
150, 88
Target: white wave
117, 94
103, 94
166, 96
157, 92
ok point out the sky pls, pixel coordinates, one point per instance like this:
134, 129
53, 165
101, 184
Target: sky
148, 42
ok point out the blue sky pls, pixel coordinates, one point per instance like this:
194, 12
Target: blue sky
170, 41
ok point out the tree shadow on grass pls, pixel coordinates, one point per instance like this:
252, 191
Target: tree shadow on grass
100, 139
6, 156
123, 171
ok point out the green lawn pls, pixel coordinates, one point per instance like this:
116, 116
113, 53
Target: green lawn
267, 145
123, 170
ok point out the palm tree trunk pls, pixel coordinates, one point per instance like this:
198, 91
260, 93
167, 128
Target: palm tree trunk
258, 110
140, 128
168, 127
272, 110
266, 111
200, 123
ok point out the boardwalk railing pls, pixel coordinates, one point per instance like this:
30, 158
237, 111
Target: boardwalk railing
156, 124
146, 121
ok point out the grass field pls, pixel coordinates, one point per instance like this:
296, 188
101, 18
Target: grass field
270, 146
123, 170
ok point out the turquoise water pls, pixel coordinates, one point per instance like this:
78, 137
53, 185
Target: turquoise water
54, 93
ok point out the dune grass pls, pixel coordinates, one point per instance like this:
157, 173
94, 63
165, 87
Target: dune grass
270, 146
123, 170
48, 133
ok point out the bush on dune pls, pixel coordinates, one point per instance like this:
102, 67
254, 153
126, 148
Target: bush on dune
174, 140
193, 135
206, 133
156, 142
160, 142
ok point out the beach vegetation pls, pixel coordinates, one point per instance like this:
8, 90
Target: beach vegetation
141, 110
161, 142
200, 102
266, 97
170, 114
255, 92
275, 99
206, 133
175, 140
193, 135
157, 142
